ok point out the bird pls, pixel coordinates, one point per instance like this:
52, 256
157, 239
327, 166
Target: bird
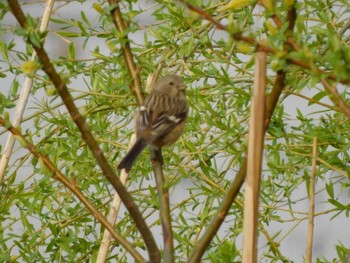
160, 120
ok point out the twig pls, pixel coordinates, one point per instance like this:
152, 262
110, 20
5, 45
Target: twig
259, 46
23, 98
341, 32
136, 87
112, 216
48, 165
311, 100
310, 234
89, 139
164, 207
220, 215
237, 183
255, 153
336, 98
274, 16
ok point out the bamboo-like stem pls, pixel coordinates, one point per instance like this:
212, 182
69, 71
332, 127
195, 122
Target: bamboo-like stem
23, 98
271, 102
87, 136
255, 154
48, 166
310, 232
164, 208
237, 183
113, 213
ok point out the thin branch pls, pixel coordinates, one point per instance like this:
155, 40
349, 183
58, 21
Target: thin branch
237, 183
255, 153
164, 207
311, 100
259, 46
220, 215
341, 32
23, 98
310, 234
136, 87
113, 213
48, 165
274, 16
89, 139
336, 98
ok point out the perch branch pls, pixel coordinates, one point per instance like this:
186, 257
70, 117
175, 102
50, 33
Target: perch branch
89, 139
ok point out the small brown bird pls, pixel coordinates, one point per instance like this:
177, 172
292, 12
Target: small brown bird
161, 119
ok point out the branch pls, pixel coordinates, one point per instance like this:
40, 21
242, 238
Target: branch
23, 98
48, 165
255, 155
310, 234
89, 139
336, 98
136, 87
237, 183
164, 207
112, 216
259, 46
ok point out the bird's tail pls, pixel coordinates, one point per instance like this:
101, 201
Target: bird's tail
131, 156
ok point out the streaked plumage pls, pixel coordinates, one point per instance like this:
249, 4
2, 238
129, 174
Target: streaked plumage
161, 119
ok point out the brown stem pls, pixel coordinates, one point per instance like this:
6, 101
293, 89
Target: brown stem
136, 87
164, 208
71, 186
89, 139
237, 183
259, 46
336, 98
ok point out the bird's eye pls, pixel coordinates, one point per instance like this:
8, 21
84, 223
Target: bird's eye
171, 83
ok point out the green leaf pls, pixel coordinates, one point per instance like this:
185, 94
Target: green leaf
85, 19
337, 204
21, 31
68, 34
35, 39
82, 28
71, 53
330, 189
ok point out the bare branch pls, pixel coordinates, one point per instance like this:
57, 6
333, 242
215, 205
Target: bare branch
310, 233
255, 153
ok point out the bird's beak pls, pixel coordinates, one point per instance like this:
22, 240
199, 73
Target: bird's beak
182, 87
